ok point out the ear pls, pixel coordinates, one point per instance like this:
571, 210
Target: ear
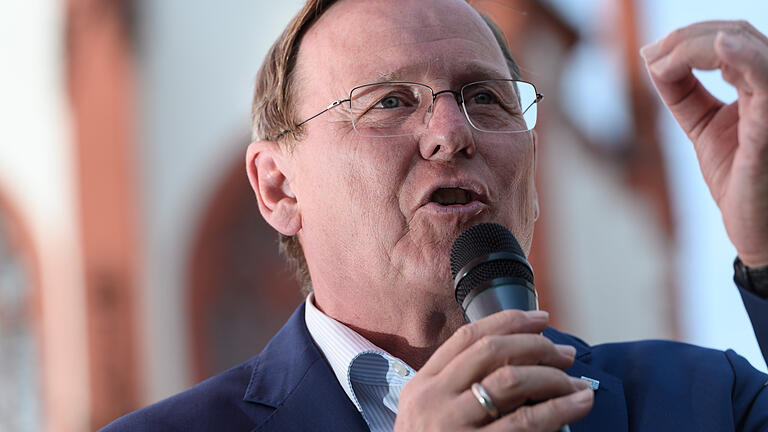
535, 162
269, 171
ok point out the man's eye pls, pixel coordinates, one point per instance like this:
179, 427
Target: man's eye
483, 98
389, 102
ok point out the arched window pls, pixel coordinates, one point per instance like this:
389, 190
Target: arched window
241, 291
20, 394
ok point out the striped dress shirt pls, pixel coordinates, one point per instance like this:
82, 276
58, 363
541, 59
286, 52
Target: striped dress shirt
371, 377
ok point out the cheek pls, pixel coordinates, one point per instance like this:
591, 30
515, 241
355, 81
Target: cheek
512, 165
377, 172
356, 185
514, 171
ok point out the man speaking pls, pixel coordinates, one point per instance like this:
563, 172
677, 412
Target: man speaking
375, 148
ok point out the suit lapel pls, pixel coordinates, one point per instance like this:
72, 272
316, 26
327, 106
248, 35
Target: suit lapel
317, 403
609, 411
292, 377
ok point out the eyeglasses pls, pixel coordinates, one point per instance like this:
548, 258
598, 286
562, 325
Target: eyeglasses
390, 109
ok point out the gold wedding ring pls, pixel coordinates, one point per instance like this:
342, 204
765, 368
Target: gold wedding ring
485, 400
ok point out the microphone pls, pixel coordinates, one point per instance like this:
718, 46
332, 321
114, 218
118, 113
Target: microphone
490, 274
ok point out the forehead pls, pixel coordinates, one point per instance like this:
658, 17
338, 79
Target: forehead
357, 42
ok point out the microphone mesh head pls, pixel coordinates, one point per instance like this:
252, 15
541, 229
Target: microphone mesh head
481, 240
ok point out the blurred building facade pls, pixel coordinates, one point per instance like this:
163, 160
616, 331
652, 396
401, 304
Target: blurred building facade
133, 260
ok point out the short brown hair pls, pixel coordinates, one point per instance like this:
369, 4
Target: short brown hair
274, 110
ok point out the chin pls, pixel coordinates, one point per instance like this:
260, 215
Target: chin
430, 271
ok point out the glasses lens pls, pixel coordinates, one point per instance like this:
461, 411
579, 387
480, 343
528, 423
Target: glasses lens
389, 109
500, 105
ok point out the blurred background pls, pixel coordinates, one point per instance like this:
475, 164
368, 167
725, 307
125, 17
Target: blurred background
133, 260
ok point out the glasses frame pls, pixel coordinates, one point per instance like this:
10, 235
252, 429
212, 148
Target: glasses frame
458, 96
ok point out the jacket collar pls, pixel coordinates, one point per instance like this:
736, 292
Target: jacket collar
292, 377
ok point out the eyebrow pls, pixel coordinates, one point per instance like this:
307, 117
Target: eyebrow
388, 76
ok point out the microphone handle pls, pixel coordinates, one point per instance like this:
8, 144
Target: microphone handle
497, 295
501, 294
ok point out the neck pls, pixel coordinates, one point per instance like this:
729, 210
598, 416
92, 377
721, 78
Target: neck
410, 330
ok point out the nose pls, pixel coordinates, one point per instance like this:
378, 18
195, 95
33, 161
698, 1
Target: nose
448, 132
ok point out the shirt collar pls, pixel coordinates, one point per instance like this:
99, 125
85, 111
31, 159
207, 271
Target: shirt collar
339, 344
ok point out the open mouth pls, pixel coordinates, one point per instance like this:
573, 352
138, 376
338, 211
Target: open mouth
451, 196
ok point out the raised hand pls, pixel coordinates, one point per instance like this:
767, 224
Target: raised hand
731, 140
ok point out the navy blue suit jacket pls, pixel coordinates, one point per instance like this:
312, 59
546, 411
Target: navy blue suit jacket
644, 386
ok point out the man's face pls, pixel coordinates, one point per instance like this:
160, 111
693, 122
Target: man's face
368, 215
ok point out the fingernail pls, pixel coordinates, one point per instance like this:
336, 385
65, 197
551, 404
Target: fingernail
583, 396
650, 51
580, 383
729, 42
538, 315
659, 66
645, 51
566, 350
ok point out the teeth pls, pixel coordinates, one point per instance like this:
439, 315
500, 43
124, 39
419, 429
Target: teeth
451, 196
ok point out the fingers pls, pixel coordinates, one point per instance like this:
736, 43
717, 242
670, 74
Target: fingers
493, 352
510, 387
731, 47
745, 60
735, 47
502, 323
670, 69
546, 416
440, 394
665, 45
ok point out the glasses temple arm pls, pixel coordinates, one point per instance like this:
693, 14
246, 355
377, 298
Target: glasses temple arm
333, 104
539, 96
